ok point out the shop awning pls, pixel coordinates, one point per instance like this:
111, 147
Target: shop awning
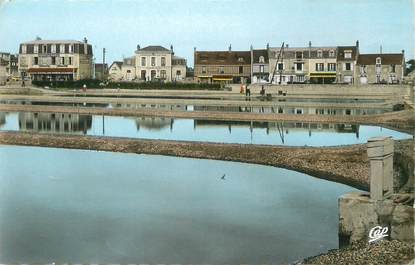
204, 76
222, 79
50, 70
327, 75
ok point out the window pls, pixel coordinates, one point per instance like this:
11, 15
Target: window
393, 68
163, 61
299, 67
163, 74
36, 49
241, 69
53, 60
203, 69
23, 49
178, 73
261, 69
280, 66
332, 67
44, 49
53, 48
319, 67
319, 53
240, 59
70, 60
62, 48
221, 70
35, 60
347, 54
299, 55
363, 69
153, 61
331, 53
70, 48
261, 59
348, 66
143, 61
62, 60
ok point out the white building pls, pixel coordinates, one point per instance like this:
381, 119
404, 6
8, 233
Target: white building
128, 69
153, 63
115, 71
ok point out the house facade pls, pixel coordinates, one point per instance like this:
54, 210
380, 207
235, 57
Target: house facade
128, 69
222, 66
56, 60
115, 71
322, 64
153, 63
179, 67
346, 63
380, 68
260, 65
288, 65
100, 71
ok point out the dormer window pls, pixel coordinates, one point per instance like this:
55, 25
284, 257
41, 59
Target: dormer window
378, 60
240, 59
261, 59
319, 53
347, 54
331, 53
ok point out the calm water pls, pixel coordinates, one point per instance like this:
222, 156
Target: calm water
276, 133
126, 208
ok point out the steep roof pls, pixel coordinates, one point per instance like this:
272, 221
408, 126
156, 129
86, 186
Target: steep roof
342, 49
52, 42
223, 57
118, 63
386, 58
259, 53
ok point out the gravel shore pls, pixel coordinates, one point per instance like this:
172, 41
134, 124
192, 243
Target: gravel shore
379, 253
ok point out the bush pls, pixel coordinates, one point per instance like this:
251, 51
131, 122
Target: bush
94, 83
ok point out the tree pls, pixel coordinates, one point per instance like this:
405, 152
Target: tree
410, 66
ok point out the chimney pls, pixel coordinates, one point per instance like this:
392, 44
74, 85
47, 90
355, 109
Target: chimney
171, 48
267, 46
309, 44
286, 45
357, 43
194, 49
403, 51
85, 40
252, 47
380, 49
138, 47
230, 47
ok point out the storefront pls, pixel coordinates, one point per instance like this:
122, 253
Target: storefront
52, 74
322, 78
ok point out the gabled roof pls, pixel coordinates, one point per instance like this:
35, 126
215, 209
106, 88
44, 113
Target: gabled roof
386, 58
117, 63
223, 57
155, 48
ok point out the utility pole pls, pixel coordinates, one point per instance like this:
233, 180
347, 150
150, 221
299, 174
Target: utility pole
103, 63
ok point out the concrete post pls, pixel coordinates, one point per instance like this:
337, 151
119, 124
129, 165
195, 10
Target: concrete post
380, 153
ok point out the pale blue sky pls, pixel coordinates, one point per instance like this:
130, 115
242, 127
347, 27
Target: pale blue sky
210, 24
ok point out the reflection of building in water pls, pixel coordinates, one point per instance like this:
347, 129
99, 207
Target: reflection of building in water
158, 106
2, 118
280, 109
54, 122
154, 123
281, 128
